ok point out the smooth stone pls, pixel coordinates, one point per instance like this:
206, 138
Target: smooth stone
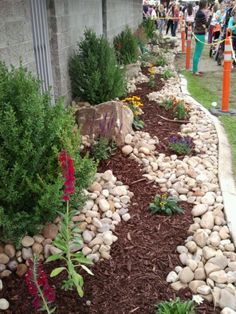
199, 274
172, 277
208, 252
195, 284
119, 190
181, 249
95, 187
192, 264
94, 257
86, 250
231, 276
227, 299
104, 205
37, 248
207, 221
4, 304
128, 139
50, 231
126, 217
227, 310
220, 260
97, 223
116, 217
186, 275
178, 285
210, 267
191, 246
208, 198
183, 258
107, 238
96, 241
214, 240
205, 290
87, 236
10, 250
1, 285
5, 273
199, 209
38, 238
200, 237
21, 270
218, 276
108, 176
4, 258
232, 266
12, 265
127, 149
27, 241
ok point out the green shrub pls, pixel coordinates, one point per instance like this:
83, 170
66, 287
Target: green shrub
181, 145
180, 111
164, 204
32, 133
103, 149
176, 306
141, 37
126, 47
95, 76
167, 74
160, 61
149, 27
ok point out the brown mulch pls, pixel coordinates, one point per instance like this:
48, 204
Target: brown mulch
133, 280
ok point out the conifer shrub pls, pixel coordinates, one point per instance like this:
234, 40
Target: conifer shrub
32, 133
126, 47
95, 75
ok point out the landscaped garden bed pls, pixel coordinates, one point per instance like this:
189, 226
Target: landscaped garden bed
155, 202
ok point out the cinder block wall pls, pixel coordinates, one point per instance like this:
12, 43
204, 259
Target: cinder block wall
67, 21
121, 13
16, 40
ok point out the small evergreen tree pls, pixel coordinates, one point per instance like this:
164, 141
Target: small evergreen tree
126, 47
32, 133
95, 76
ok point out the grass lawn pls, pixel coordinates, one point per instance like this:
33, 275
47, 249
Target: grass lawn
207, 89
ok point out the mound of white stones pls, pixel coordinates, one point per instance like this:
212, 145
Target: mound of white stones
208, 255
107, 205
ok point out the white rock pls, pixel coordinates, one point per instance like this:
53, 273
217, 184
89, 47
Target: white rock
108, 213
126, 217
27, 241
200, 237
128, 139
231, 276
227, 299
204, 290
199, 274
208, 252
182, 249
127, 149
86, 250
208, 198
107, 238
172, 277
195, 284
119, 190
144, 150
220, 260
116, 217
218, 276
108, 176
207, 221
104, 205
88, 206
4, 304
227, 310
97, 223
87, 236
94, 257
105, 192
191, 246
186, 275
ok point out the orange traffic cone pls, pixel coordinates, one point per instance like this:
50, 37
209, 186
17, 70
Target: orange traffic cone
226, 73
188, 48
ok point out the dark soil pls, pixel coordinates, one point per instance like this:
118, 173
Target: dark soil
133, 280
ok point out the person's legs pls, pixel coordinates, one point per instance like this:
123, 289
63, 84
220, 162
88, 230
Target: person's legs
175, 26
198, 52
168, 26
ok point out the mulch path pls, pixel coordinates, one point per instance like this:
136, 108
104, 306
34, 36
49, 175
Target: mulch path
133, 280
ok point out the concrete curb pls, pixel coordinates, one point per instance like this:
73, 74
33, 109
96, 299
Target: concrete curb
225, 173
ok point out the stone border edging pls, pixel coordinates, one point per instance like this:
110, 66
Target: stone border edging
225, 173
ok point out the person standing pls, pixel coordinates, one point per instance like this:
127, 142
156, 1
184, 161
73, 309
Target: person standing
175, 20
161, 14
170, 15
199, 32
189, 17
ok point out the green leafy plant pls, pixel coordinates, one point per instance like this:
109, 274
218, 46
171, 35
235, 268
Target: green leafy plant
103, 148
141, 37
149, 27
167, 74
160, 61
69, 236
32, 132
167, 104
164, 204
181, 145
95, 75
180, 111
126, 47
176, 306
138, 124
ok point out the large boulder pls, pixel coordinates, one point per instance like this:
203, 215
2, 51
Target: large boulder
111, 119
132, 70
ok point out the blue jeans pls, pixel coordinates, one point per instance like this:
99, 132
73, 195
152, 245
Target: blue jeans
174, 29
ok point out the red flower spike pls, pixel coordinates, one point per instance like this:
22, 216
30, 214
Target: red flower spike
68, 172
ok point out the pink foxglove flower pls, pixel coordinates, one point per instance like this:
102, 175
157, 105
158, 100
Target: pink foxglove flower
68, 173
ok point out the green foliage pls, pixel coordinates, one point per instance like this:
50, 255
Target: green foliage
167, 74
160, 61
32, 133
126, 47
103, 148
180, 111
141, 37
165, 205
151, 82
176, 306
167, 104
138, 124
68, 237
181, 145
95, 76
149, 27
134, 104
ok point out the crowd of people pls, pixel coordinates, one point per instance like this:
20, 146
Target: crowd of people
212, 19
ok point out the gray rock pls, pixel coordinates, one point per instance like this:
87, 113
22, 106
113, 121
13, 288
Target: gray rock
227, 299
220, 260
87, 236
227, 310
205, 290
12, 265
27, 253
10, 250
27, 241
172, 277
199, 274
4, 259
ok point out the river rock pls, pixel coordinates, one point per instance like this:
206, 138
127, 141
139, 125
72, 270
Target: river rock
208, 198
218, 276
186, 275
87, 236
207, 221
27, 241
199, 209
200, 237
127, 149
4, 304
126, 217
227, 310
21, 270
191, 246
10, 250
199, 274
37, 248
95, 187
220, 260
4, 259
104, 205
172, 277
208, 252
195, 284
178, 285
227, 299
50, 231
205, 290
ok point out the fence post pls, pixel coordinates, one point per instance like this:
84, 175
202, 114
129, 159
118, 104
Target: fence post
226, 74
188, 48
183, 35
